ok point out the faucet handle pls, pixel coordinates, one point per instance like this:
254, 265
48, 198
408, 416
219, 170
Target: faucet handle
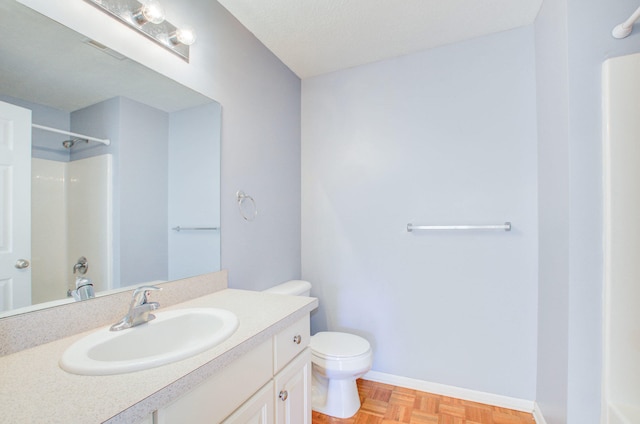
140, 294
81, 266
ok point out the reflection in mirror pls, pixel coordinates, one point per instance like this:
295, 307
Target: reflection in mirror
113, 205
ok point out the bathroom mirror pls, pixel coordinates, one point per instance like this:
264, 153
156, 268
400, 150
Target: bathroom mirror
144, 208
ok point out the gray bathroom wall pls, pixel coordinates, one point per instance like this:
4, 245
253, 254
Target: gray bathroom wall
260, 100
143, 163
194, 190
445, 136
573, 37
100, 120
552, 71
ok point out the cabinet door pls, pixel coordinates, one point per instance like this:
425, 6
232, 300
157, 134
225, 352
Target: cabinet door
257, 410
293, 391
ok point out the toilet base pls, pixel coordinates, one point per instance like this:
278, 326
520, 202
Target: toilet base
336, 398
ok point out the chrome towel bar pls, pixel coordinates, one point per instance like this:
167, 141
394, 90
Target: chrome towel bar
506, 227
179, 228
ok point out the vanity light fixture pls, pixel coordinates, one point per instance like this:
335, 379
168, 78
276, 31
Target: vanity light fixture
151, 12
184, 35
148, 18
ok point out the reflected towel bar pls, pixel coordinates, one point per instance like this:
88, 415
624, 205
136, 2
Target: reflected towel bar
506, 226
179, 228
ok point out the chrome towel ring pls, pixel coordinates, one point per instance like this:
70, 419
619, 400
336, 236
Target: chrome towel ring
248, 210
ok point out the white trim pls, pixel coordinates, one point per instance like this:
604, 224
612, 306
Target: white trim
452, 391
537, 414
606, 240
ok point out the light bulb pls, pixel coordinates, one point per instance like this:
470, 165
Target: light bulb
185, 35
152, 11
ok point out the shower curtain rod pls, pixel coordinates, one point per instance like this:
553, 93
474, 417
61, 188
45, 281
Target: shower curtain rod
624, 29
104, 141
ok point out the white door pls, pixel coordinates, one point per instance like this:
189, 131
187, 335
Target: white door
15, 203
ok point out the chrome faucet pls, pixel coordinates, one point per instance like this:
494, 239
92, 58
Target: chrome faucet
84, 286
83, 291
139, 309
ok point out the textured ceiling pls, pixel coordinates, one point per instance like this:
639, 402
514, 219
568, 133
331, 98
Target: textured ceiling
313, 37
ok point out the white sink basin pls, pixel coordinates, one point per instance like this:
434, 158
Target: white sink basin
172, 336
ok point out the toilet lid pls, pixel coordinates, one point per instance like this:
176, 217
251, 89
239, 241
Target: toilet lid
340, 345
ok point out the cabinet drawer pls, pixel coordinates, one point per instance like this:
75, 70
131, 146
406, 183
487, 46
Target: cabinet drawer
290, 342
220, 395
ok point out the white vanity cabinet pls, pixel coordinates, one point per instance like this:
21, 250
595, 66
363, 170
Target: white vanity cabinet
269, 384
292, 370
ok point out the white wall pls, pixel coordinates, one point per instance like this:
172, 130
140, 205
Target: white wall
446, 136
260, 99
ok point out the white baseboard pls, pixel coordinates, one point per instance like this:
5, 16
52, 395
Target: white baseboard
452, 391
537, 414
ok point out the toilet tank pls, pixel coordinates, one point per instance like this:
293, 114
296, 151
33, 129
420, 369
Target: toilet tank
293, 288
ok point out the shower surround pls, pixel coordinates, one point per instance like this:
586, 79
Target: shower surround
71, 217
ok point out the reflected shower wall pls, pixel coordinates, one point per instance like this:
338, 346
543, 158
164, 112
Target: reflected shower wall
71, 202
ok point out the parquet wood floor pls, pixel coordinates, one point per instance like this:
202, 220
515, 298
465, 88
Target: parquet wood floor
385, 404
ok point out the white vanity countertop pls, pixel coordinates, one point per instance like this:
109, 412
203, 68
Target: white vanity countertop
33, 388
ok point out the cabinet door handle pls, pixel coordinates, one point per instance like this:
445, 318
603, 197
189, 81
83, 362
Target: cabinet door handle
297, 339
283, 395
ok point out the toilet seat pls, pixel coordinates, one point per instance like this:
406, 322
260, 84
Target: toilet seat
339, 346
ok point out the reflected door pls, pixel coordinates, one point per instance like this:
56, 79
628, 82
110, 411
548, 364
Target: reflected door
15, 200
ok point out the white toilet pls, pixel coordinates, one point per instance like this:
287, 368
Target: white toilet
338, 359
